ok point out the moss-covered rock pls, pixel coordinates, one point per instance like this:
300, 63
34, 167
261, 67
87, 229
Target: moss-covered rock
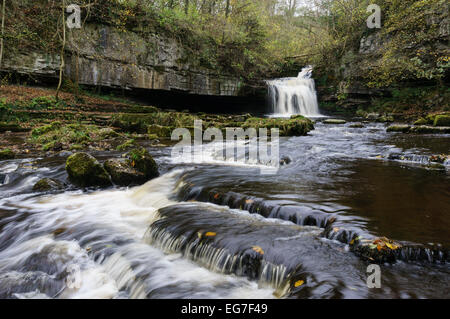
421, 121
399, 128
123, 174
47, 184
107, 132
357, 125
160, 131
334, 121
141, 160
298, 126
126, 145
385, 119
424, 129
84, 171
6, 154
442, 120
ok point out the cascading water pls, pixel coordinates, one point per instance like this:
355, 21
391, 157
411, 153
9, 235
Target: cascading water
290, 96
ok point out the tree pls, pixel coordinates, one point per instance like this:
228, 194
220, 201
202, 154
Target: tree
3, 31
63, 46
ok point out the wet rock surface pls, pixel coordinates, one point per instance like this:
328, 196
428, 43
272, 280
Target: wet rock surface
47, 184
123, 174
85, 171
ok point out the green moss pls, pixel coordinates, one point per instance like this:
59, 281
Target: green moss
46, 129
143, 162
399, 128
421, 121
161, 131
288, 127
84, 171
128, 144
334, 121
47, 184
442, 120
7, 154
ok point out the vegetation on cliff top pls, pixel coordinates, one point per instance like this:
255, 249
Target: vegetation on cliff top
263, 38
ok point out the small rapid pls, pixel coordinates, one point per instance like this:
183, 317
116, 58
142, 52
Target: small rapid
208, 229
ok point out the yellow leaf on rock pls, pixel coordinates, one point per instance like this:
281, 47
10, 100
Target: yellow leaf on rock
216, 196
258, 249
249, 201
336, 229
210, 234
299, 283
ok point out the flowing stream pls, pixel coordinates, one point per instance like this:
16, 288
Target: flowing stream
152, 241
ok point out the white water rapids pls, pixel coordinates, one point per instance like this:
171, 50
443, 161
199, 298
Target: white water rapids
292, 96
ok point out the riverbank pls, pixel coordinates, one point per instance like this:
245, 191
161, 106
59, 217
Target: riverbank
33, 121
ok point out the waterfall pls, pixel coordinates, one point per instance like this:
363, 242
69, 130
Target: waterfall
290, 96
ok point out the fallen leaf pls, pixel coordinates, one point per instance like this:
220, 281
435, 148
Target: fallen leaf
133, 164
258, 249
352, 242
216, 196
299, 283
210, 234
249, 201
336, 229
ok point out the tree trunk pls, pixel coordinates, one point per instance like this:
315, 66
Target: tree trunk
61, 67
3, 32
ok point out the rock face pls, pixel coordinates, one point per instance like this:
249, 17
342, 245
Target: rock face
103, 56
84, 171
123, 174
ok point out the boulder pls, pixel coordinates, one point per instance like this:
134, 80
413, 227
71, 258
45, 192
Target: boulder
334, 121
123, 174
47, 184
356, 125
424, 129
143, 162
399, 128
84, 171
372, 116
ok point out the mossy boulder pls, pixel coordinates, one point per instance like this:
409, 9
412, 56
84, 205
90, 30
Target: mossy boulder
160, 131
141, 160
107, 133
297, 126
399, 128
123, 174
385, 119
6, 154
424, 129
47, 184
421, 121
84, 171
356, 125
442, 120
335, 121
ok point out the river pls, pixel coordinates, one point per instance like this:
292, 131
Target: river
215, 230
